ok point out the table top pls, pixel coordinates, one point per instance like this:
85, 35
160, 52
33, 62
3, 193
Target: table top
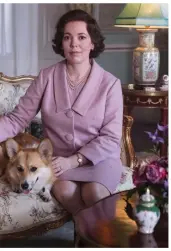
135, 92
103, 226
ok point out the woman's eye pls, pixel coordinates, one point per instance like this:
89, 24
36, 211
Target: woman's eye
33, 169
20, 169
82, 37
66, 38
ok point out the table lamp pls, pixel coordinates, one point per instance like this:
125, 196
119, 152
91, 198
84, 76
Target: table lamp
147, 18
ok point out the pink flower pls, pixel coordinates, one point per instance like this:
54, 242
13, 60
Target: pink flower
154, 173
163, 173
138, 178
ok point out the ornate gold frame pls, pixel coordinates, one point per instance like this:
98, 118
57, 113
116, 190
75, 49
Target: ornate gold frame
130, 155
17, 79
86, 7
38, 230
129, 149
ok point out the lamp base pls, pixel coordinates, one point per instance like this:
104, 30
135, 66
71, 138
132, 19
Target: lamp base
146, 58
143, 85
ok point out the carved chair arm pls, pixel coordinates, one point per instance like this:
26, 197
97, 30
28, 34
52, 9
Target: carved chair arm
127, 142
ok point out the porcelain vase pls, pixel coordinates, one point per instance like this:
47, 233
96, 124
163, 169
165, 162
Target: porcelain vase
146, 213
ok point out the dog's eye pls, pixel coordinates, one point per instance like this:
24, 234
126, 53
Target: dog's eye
20, 169
33, 169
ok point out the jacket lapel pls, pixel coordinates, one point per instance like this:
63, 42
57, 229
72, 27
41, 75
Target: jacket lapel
86, 96
61, 88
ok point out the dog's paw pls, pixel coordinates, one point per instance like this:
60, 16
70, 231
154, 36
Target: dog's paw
44, 198
16, 190
45, 195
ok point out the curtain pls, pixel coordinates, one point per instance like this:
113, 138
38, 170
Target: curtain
19, 39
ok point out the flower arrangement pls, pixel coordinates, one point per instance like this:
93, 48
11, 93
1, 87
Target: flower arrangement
153, 173
157, 139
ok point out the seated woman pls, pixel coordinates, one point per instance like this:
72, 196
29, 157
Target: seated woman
82, 110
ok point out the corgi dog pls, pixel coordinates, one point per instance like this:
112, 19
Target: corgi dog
29, 165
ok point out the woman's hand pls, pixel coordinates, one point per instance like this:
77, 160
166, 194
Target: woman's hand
60, 165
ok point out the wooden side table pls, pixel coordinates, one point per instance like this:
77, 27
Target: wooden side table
107, 224
147, 99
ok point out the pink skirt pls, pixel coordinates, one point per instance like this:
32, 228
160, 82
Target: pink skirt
107, 172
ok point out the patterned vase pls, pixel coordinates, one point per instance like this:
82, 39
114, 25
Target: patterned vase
146, 213
146, 59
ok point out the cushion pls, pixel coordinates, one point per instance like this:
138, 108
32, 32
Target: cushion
36, 129
126, 182
19, 212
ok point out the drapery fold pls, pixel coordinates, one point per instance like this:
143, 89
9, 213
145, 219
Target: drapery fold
19, 39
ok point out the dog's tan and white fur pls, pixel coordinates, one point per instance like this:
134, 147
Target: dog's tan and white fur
29, 166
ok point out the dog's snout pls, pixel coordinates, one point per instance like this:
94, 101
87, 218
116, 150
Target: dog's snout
25, 185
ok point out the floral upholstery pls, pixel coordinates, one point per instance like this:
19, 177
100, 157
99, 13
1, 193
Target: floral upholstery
126, 182
20, 212
10, 95
7, 98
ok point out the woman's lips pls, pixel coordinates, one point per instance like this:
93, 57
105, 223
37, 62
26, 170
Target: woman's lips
75, 52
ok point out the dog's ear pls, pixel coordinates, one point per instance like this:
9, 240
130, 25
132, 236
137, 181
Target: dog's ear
45, 149
12, 147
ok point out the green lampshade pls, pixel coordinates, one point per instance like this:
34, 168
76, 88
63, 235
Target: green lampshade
143, 15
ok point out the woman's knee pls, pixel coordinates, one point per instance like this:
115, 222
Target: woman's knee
64, 190
93, 192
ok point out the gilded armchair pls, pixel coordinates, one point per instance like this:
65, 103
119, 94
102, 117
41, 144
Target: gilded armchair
38, 216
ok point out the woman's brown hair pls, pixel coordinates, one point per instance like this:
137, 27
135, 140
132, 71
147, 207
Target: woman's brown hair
92, 28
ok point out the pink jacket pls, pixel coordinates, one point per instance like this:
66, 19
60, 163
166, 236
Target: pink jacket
92, 126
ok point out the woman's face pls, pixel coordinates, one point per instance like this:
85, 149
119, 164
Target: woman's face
76, 42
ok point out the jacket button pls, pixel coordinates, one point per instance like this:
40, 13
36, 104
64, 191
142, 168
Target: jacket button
69, 137
69, 114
